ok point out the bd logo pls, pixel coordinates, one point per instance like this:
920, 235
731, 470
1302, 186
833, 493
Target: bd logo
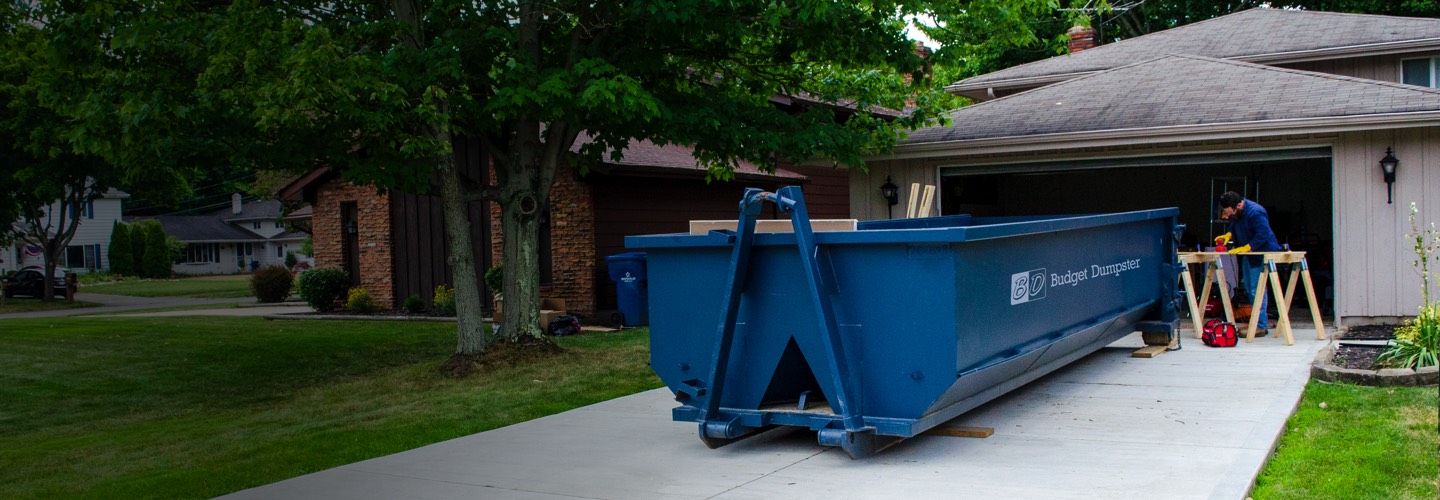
1027, 286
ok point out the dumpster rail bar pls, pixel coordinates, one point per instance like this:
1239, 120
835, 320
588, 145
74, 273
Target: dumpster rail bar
871, 336
717, 428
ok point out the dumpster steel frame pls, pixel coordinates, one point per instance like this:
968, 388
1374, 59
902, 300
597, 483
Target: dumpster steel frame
845, 424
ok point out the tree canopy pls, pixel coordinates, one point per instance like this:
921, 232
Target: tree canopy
377, 91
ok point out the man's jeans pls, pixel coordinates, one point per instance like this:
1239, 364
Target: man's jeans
1252, 280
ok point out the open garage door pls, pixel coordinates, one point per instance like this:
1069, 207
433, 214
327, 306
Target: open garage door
1294, 185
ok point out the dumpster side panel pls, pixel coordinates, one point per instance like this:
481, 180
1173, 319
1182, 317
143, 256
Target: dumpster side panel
685, 295
1042, 296
897, 305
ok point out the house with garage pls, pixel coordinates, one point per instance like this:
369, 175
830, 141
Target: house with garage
392, 242
1294, 109
239, 238
89, 249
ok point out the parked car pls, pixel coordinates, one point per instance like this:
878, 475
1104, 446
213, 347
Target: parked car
28, 281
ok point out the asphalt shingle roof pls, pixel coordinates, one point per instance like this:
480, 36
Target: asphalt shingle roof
267, 210
214, 226
641, 153
201, 228
1178, 90
1253, 32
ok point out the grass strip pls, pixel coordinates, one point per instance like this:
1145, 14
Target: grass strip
207, 287
199, 407
25, 305
1350, 441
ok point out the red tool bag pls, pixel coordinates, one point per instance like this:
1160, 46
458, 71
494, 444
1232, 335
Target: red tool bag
1219, 334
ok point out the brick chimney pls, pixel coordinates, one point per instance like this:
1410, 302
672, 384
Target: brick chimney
924, 53
1081, 38
235, 204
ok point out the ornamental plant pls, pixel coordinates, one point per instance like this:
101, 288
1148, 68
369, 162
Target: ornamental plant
413, 304
324, 288
359, 301
272, 283
445, 300
1417, 344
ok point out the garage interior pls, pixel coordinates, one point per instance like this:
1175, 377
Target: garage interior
1295, 186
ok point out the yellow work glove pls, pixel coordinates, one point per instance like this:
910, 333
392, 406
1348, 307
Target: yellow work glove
1222, 239
1241, 249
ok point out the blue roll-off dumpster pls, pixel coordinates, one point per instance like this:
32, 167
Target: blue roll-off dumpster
878, 334
627, 270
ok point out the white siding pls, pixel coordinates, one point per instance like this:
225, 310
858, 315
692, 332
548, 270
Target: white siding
91, 231
1372, 258
866, 203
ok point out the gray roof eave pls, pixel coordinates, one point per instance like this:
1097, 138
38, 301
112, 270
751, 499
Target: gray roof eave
975, 89
1151, 135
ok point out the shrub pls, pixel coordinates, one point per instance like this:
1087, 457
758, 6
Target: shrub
445, 300
290, 260
495, 279
272, 283
359, 301
101, 276
122, 260
1416, 343
157, 262
137, 248
413, 305
324, 288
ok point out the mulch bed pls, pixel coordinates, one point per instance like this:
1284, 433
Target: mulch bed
1359, 357
1362, 357
1371, 332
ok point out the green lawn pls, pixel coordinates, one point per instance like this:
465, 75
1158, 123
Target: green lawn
1367, 442
28, 304
210, 287
198, 407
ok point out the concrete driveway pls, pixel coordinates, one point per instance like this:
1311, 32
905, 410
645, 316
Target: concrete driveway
1195, 423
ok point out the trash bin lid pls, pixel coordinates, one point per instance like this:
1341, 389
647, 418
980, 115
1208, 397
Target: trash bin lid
627, 256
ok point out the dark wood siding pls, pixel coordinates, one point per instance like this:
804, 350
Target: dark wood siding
636, 205
827, 192
417, 222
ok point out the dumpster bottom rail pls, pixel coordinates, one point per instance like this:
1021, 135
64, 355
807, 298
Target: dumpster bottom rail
738, 423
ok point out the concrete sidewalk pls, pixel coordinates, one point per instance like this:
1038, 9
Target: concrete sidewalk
119, 303
1194, 423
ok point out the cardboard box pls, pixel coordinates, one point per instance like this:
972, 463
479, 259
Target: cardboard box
549, 310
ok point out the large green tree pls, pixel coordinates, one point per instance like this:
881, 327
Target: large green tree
45, 185
378, 90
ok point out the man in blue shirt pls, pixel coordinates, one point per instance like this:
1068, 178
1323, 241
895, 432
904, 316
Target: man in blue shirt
1250, 231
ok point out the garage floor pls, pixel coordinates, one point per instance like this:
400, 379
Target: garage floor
1194, 423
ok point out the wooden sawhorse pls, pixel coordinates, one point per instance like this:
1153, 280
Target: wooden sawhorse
1214, 269
1269, 275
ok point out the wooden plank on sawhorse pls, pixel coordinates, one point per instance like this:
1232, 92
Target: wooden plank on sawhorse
1214, 271
1270, 276
962, 431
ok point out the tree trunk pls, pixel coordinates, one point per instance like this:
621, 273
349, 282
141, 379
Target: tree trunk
47, 289
520, 208
470, 327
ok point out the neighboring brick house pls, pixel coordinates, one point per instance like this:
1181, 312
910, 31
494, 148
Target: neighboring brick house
393, 243
1294, 109
239, 238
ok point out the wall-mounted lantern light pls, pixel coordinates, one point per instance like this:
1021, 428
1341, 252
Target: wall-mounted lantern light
1387, 167
891, 192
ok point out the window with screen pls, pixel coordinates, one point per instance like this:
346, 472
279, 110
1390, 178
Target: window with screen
1421, 72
